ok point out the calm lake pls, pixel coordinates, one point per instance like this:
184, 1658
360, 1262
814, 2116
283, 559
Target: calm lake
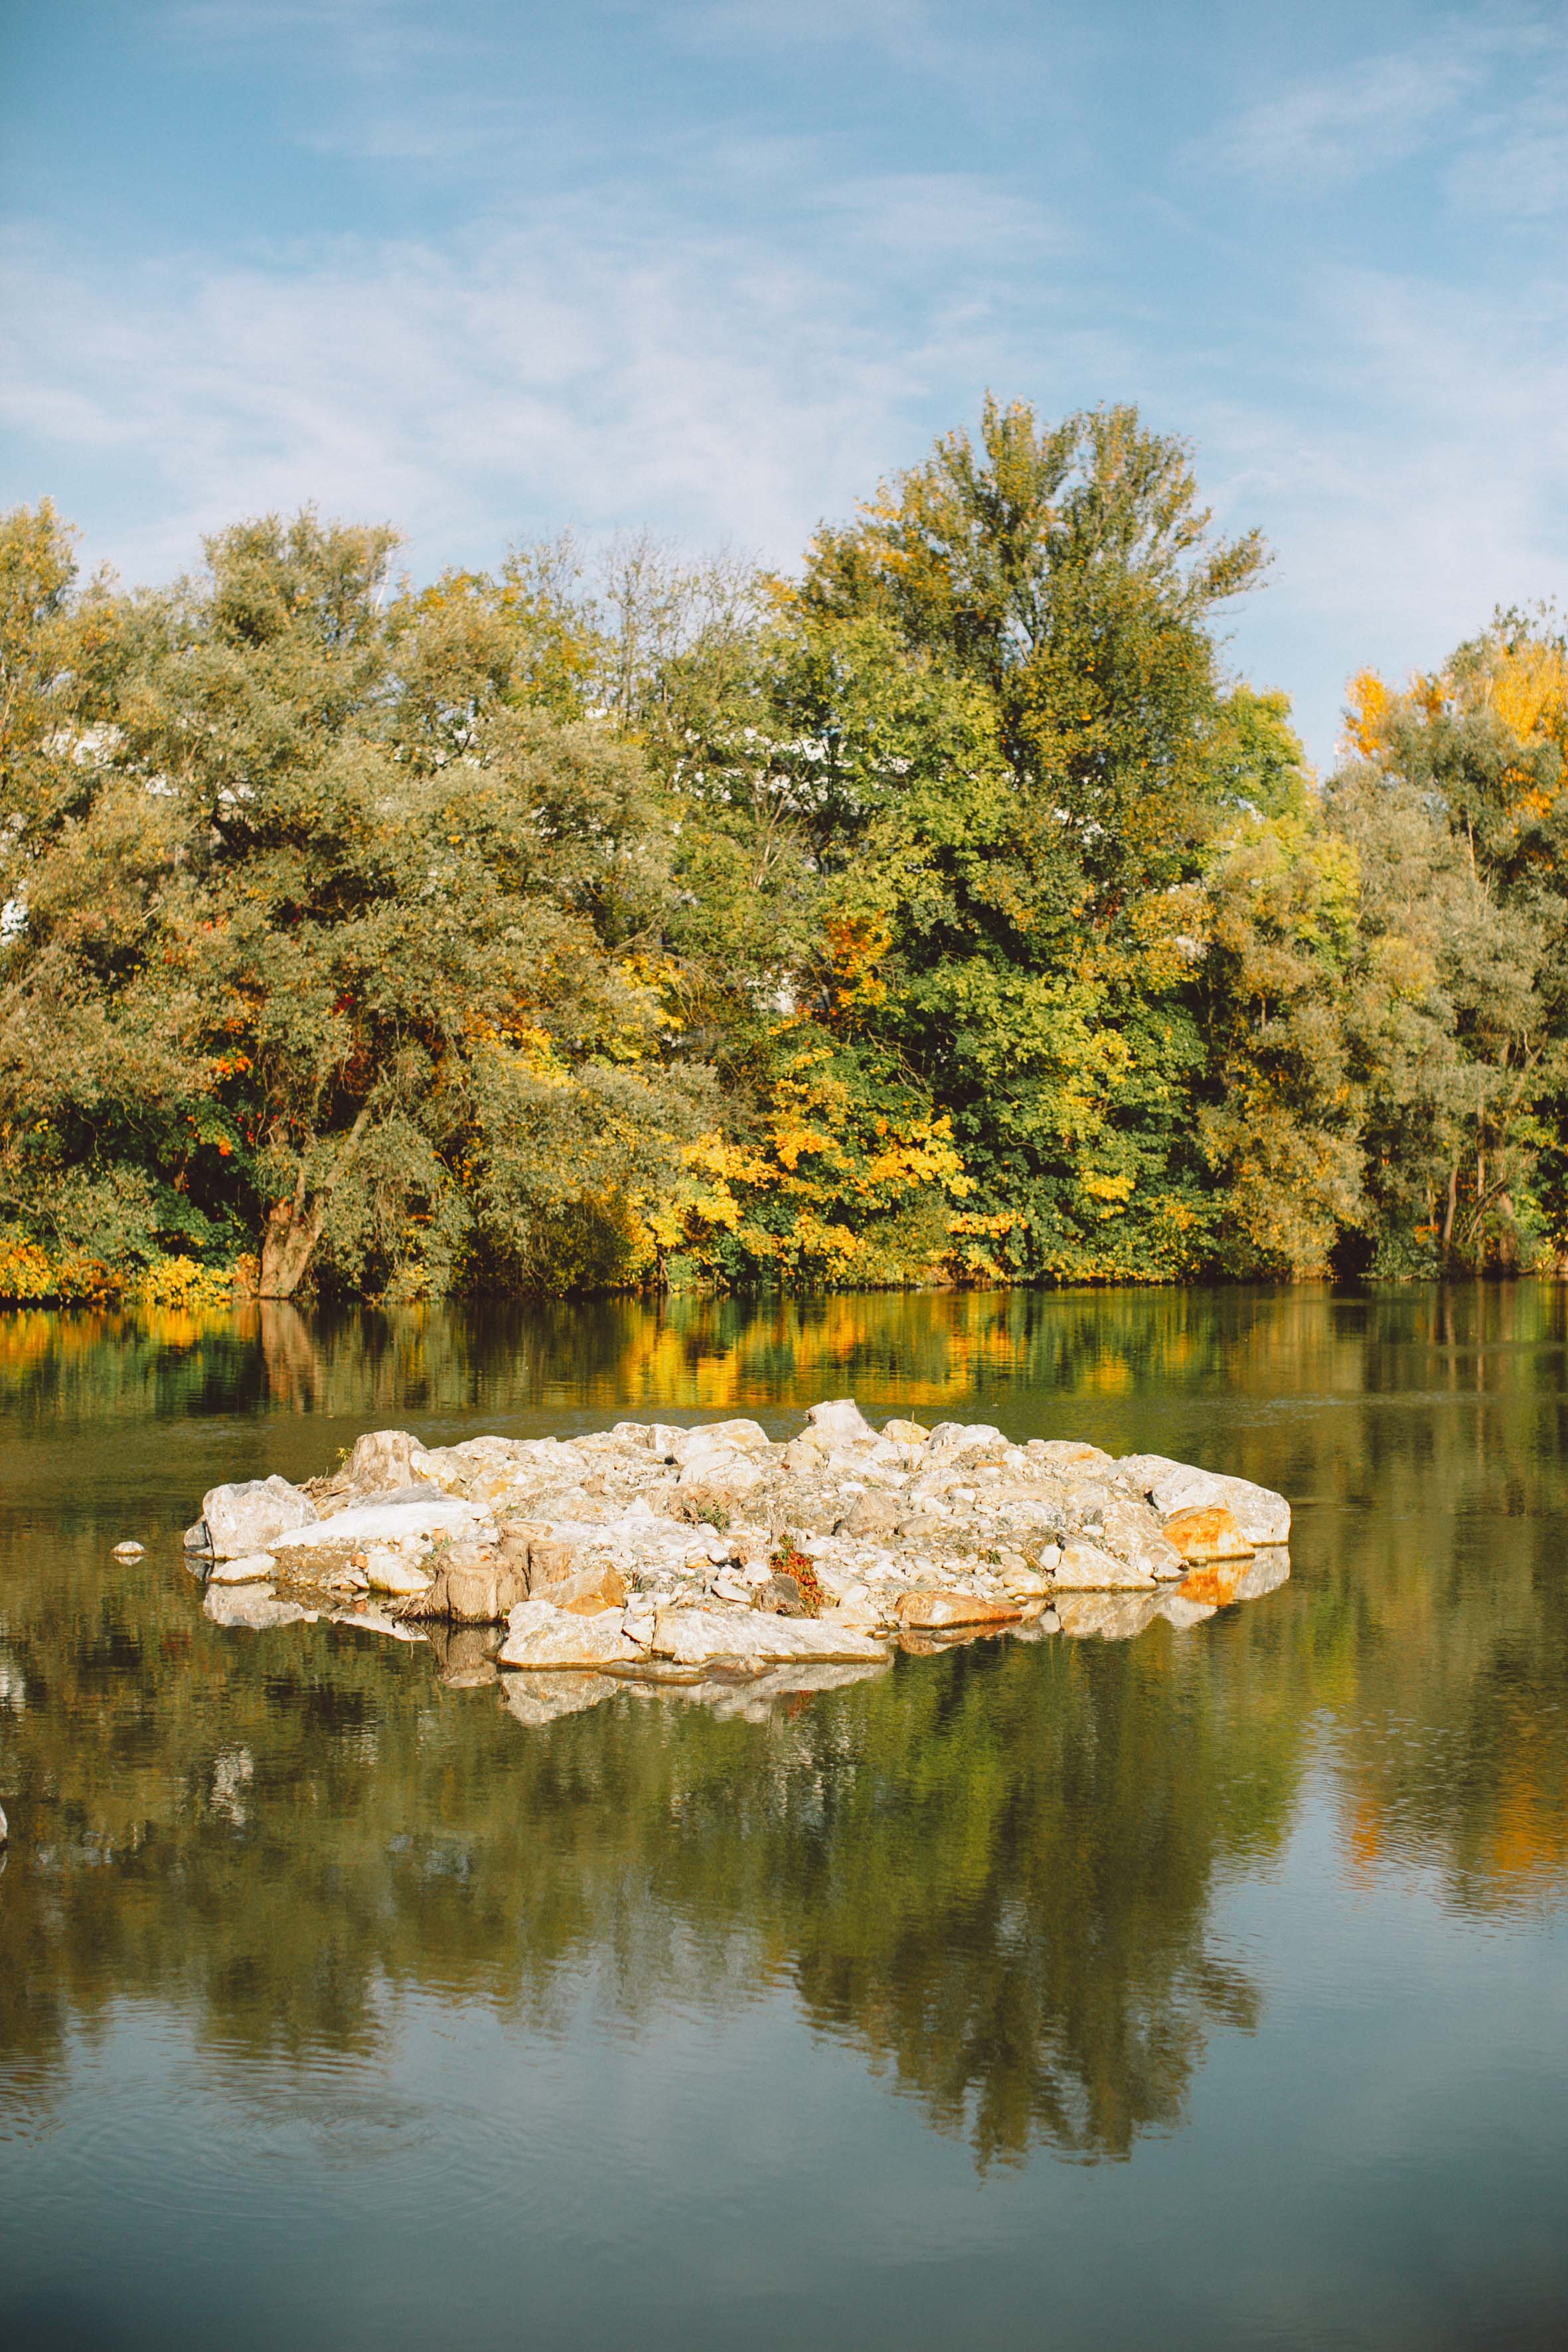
1203, 1989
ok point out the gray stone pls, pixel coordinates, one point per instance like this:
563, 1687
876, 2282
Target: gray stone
246, 1516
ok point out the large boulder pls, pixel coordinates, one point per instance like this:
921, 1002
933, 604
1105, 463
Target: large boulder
1263, 1516
248, 1516
382, 1461
840, 1422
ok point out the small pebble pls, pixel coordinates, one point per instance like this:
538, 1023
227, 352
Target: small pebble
129, 1550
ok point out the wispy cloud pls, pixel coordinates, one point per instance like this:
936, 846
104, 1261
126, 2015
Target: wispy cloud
1373, 112
580, 365
1422, 481
1514, 161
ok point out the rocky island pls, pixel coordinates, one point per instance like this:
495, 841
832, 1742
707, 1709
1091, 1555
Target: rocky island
666, 1554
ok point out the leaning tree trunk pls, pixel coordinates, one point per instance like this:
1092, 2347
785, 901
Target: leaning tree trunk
289, 1243
294, 1227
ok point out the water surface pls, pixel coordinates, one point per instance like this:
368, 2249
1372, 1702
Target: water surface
1205, 1989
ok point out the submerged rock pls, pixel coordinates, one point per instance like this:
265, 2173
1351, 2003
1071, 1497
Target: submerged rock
255, 1607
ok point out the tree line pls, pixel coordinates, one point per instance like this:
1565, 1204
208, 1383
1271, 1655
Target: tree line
944, 912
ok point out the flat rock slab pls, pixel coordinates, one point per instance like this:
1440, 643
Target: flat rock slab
933, 1613
694, 1637
1084, 1568
402, 1526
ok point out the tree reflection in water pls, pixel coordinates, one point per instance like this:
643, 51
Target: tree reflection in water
992, 1871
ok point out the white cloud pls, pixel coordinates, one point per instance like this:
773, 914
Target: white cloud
1403, 441
1514, 162
1421, 481
596, 365
1484, 92
1370, 113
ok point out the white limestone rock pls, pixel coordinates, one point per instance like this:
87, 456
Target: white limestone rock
840, 1422
556, 1640
1085, 1567
409, 1529
246, 1516
1263, 1516
387, 1572
255, 1568
694, 1637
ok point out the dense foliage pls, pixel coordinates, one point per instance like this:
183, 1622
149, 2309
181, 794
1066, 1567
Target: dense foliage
945, 912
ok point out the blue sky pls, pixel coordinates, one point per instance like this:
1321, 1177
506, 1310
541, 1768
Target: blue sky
713, 266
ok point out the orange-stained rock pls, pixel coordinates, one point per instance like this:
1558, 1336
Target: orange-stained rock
1217, 1583
1211, 1533
600, 1586
932, 1613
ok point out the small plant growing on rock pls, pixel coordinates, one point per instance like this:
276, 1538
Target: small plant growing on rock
789, 1563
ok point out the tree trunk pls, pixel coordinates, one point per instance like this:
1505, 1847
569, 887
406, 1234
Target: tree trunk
1448, 1212
294, 1227
289, 1244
